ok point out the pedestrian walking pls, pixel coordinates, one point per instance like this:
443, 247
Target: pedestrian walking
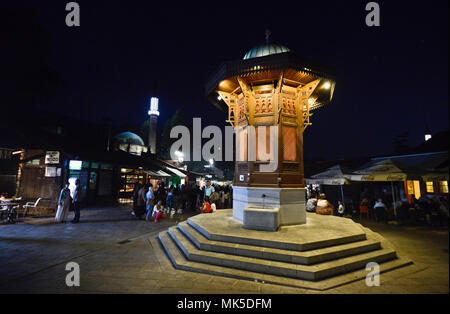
149, 202
140, 203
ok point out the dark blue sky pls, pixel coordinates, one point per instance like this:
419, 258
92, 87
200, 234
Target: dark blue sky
392, 79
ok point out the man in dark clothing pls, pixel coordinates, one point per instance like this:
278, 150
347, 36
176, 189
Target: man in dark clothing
76, 201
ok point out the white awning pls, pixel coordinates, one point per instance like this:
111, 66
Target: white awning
341, 181
158, 174
332, 176
176, 172
384, 170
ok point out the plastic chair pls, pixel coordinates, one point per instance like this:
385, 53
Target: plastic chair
31, 205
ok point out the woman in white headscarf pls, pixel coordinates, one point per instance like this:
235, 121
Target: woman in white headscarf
63, 204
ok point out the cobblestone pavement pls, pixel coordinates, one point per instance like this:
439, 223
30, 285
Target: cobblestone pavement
116, 254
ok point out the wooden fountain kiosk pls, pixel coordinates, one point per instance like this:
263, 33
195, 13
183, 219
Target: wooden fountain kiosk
270, 96
273, 88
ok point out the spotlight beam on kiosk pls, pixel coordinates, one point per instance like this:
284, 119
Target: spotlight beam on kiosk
271, 87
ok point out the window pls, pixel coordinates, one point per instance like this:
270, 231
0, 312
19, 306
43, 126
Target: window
414, 188
410, 185
430, 186
263, 144
443, 186
417, 189
34, 162
106, 167
289, 143
242, 142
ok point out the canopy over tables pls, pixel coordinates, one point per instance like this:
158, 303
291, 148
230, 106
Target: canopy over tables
385, 170
388, 170
335, 175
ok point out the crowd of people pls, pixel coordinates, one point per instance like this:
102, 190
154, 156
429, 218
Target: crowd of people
433, 211
155, 203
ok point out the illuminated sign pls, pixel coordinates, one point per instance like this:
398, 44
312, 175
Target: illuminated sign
75, 164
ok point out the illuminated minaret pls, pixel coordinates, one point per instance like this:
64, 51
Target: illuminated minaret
153, 116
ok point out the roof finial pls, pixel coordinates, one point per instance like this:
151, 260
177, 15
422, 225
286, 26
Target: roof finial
268, 33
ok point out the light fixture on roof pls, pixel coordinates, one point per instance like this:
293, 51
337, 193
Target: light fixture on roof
327, 85
154, 107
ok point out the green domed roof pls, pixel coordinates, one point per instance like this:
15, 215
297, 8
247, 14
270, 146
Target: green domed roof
265, 50
129, 138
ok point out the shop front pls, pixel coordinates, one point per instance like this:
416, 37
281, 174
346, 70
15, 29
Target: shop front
96, 180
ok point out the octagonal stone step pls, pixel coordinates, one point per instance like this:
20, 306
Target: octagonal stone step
180, 262
280, 255
318, 232
305, 272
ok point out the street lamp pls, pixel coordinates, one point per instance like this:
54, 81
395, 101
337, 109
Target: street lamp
180, 156
327, 85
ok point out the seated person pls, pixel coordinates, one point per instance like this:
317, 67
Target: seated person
341, 209
380, 210
158, 211
206, 207
311, 204
364, 207
324, 207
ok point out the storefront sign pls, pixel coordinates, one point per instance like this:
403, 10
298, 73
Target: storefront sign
51, 157
75, 164
50, 172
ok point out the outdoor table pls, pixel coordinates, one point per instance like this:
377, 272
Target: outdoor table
9, 204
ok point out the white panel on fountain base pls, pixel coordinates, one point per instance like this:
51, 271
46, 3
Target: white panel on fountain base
264, 219
291, 203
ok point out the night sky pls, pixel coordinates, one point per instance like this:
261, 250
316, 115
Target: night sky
391, 79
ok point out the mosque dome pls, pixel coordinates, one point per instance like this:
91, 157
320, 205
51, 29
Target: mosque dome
265, 50
129, 138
